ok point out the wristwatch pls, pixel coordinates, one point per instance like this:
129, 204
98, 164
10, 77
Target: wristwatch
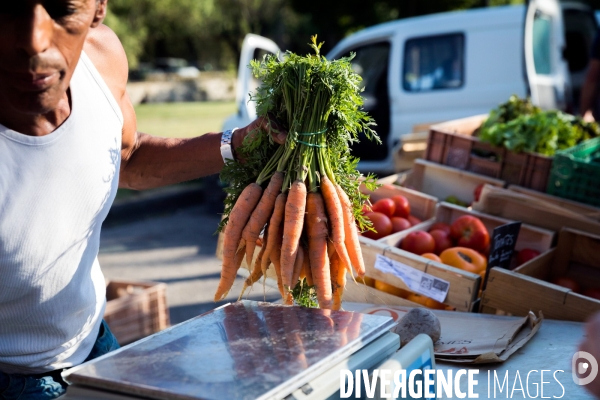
226, 148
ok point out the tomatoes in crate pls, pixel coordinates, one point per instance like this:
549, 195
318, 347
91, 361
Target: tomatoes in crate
402, 206
440, 226
418, 242
469, 231
385, 206
442, 240
400, 224
381, 223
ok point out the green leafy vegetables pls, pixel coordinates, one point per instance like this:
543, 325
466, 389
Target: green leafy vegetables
522, 127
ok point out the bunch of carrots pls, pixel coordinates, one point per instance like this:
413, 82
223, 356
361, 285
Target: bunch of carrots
310, 208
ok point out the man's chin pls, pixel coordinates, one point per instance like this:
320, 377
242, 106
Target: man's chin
32, 103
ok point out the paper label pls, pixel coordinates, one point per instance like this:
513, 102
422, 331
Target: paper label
419, 282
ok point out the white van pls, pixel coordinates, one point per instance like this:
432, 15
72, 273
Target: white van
451, 65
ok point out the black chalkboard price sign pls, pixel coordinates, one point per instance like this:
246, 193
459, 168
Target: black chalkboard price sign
502, 246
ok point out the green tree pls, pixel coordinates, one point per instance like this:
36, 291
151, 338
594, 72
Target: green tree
212, 31
159, 28
344, 18
132, 37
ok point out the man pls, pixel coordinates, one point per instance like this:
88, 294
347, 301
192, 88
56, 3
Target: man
68, 138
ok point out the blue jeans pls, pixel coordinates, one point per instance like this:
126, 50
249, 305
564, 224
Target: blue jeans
50, 385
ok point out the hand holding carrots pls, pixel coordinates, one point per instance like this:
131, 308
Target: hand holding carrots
266, 124
307, 188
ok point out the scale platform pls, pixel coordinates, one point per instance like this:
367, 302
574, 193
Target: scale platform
244, 350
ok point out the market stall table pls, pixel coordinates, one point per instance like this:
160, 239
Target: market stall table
181, 362
551, 350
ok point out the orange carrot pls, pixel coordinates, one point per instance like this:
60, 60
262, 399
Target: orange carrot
336, 218
352, 243
306, 271
338, 280
261, 214
316, 222
292, 230
233, 231
274, 233
275, 256
298, 267
257, 272
330, 249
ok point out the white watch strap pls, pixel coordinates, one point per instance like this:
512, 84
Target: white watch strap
226, 149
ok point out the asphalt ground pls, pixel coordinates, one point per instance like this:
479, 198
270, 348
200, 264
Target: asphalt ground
170, 237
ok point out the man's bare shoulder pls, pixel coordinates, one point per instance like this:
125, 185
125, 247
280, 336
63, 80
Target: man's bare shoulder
105, 50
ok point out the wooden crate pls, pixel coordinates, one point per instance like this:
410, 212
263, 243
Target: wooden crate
440, 181
454, 143
538, 209
411, 147
136, 309
585, 210
528, 288
464, 286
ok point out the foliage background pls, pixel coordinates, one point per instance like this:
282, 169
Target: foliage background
209, 33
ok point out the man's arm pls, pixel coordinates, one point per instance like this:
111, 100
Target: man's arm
589, 89
148, 161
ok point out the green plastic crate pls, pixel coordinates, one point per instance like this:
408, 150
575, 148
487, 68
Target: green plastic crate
575, 173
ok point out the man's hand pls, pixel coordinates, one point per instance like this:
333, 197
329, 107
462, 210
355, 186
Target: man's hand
261, 123
588, 116
591, 344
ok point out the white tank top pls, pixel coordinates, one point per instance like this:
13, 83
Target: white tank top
55, 192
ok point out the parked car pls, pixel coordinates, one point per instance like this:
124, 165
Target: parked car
451, 65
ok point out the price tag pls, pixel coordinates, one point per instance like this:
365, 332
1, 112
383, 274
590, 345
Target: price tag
419, 282
504, 239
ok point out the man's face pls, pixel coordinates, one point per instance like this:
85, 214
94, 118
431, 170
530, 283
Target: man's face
40, 45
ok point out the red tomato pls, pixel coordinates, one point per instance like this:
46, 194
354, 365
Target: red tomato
525, 255
440, 226
381, 223
566, 282
442, 240
385, 206
402, 206
594, 293
469, 231
413, 220
400, 224
477, 192
419, 242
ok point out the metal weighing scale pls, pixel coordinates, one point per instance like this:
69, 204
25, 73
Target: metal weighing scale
249, 350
